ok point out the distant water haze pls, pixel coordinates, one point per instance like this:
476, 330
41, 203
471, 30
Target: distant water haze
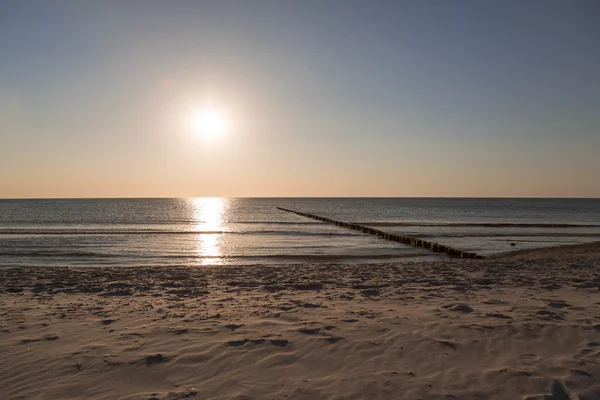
245, 231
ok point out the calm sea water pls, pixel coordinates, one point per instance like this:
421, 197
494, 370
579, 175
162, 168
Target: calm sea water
211, 231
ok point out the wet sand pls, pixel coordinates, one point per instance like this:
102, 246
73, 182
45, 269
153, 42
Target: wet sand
525, 325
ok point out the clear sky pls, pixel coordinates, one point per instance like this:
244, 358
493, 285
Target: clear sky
321, 98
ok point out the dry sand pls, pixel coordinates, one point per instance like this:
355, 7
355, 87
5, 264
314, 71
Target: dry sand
523, 326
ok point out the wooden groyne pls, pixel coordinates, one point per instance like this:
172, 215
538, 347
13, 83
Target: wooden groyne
408, 240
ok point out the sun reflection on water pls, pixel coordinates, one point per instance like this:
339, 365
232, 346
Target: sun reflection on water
209, 216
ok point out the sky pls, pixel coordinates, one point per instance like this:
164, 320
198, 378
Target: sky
322, 98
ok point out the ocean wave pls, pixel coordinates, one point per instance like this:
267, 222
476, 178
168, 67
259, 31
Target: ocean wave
480, 224
507, 234
112, 231
56, 253
158, 258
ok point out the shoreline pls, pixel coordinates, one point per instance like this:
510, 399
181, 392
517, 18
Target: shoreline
521, 326
549, 251
538, 252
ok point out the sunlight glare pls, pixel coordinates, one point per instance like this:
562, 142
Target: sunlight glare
210, 122
209, 216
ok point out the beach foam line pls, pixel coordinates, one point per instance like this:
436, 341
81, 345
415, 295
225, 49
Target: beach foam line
338, 256
108, 232
408, 240
511, 234
479, 224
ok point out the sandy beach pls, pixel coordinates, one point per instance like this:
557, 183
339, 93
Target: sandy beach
525, 325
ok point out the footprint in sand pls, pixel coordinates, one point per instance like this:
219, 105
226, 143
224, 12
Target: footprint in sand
558, 304
498, 315
463, 308
495, 302
447, 344
581, 372
309, 331
185, 394
309, 286
370, 292
558, 391
279, 342
49, 337
156, 359
237, 343
233, 327
549, 315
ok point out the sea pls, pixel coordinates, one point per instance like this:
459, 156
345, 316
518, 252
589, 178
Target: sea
247, 231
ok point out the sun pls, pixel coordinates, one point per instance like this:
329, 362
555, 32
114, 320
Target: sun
209, 122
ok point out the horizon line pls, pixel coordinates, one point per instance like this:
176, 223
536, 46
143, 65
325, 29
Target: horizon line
300, 197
